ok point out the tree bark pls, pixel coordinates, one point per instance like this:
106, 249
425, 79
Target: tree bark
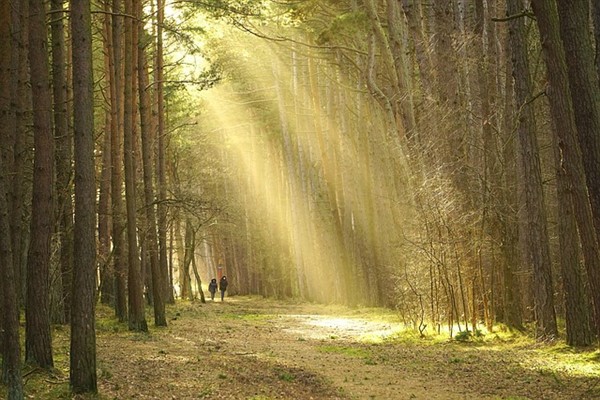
511, 308
190, 249
107, 275
137, 318
570, 183
491, 196
585, 95
413, 12
63, 155
118, 212
10, 347
181, 249
19, 139
585, 92
197, 276
158, 291
397, 29
577, 318
38, 343
161, 165
537, 235
83, 327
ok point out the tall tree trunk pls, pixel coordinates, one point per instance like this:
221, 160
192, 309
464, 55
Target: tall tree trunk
161, 165
577, 317
489, 220
107, 276
83, 327
38, 343
8, 119
63, 155
585, 94
19, 138
106, 272
537, 235
585, 91
571, 182
137, 318
9, 306
118, 221
511, 308
158, 286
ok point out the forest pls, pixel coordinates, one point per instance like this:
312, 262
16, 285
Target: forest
440, 159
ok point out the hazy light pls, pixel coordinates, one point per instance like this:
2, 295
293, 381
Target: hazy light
321, 327
252, 120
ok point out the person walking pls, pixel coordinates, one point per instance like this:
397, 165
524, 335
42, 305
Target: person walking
223, 286
212, 288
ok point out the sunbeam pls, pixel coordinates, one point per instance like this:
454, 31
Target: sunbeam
296, 153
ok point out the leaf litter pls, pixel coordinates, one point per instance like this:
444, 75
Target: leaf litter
253, 348
250, 348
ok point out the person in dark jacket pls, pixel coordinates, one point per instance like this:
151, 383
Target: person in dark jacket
212, 288
223, 286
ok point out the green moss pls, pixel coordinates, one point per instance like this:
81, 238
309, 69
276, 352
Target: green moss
286, 376
110, 325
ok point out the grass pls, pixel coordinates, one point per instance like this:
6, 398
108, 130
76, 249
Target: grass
248, 317
286, 376
551, 360
559, 358
356, 352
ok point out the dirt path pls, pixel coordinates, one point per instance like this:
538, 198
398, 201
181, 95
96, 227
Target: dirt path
257, 349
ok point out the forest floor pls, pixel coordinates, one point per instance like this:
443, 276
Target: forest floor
255, 349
